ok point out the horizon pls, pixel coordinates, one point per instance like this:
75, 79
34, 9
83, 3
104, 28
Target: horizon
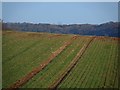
60, 13
62, 24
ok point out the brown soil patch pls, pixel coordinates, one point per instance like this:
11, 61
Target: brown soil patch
57, 35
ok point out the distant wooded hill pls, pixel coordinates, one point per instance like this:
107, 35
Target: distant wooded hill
105, 29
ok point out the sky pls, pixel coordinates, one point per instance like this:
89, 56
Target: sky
60, 0
60, 12
0, 10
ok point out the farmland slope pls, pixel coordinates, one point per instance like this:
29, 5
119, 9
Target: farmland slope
22, 52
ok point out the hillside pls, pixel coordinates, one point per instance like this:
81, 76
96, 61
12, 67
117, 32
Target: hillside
45, 60
105, 29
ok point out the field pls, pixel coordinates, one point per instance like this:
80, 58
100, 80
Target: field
44, 60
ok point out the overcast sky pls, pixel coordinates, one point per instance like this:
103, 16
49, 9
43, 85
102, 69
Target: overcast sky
60, 13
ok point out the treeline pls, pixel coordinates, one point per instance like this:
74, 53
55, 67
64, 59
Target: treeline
105, 29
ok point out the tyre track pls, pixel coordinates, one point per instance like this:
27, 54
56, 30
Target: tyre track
71, 65
30, 75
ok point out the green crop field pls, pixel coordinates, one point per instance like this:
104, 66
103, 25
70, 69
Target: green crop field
62, 61
97, 68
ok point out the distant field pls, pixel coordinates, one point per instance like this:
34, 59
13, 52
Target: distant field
62, 61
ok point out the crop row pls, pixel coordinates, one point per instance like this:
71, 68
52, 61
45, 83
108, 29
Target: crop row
24, 62
96, 69
53, 71
23, 52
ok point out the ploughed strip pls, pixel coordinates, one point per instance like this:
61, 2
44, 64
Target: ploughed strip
30, 75
71, 65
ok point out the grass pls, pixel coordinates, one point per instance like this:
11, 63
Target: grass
21, 56
58, 66
24, 51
